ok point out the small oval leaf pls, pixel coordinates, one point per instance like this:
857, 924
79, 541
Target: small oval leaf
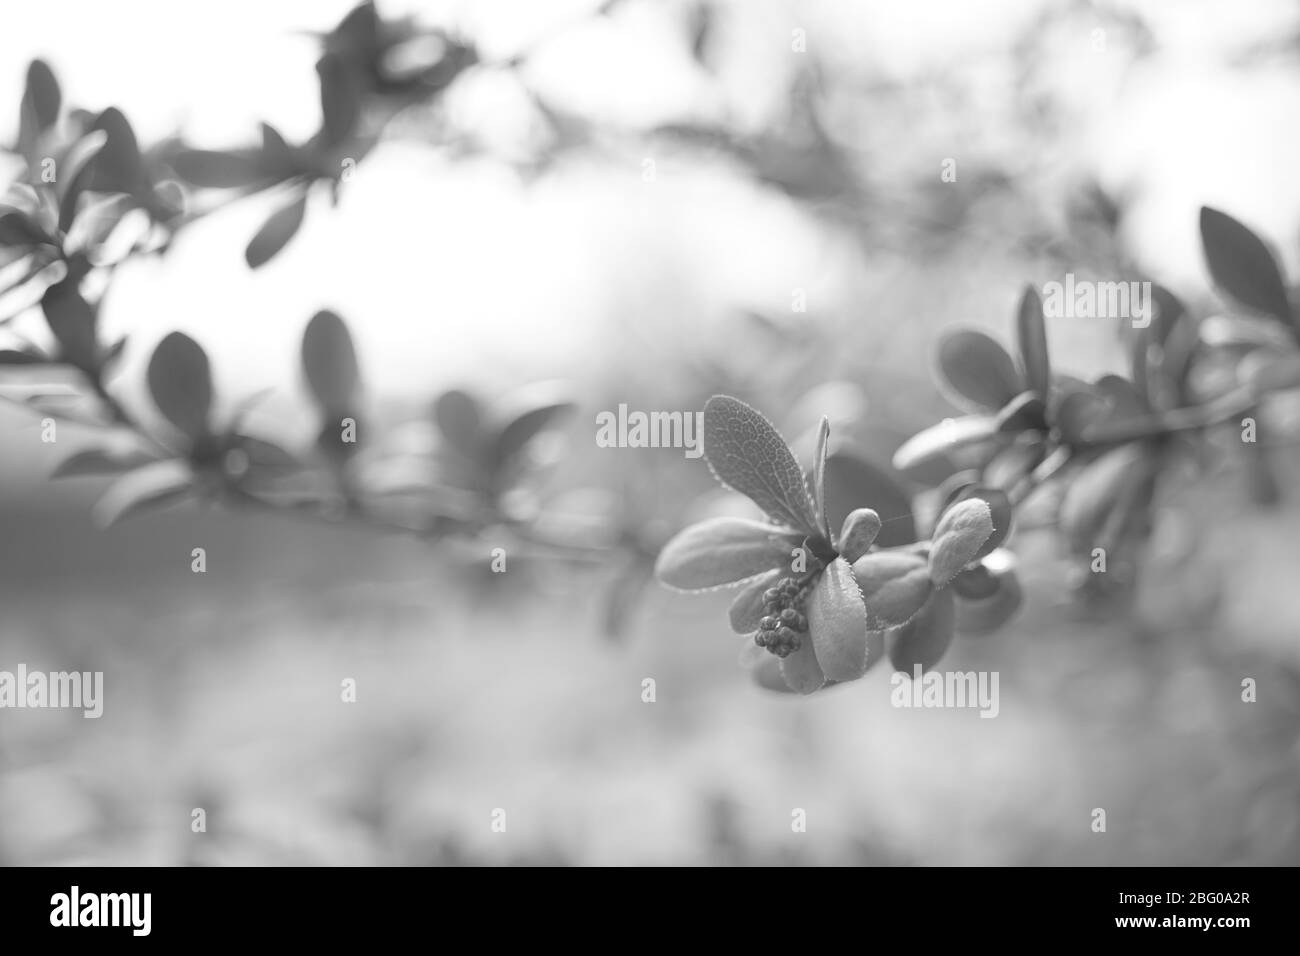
329, 362
1243, 267
180, 382
281, 226
723, 551
978, 373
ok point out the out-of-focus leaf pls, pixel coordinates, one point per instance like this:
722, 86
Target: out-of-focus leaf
95, 222
1266, 372
1243, 332
281, 226
925, 638
219, 169
801, 672
13, 357
723, 551
620, 599
1031, 337
976, 372
852, 482
748, 455
975, 583
1025, 412
1078, 411
1242, 266
42, 98
983, 613
949, 435
19, 229
117, 167
72, 321
180, 382
74, 174
357, 34
533, 411
460, 419
340, 99
278, 159
769, 674
151, 486
114, 167
747, 609
100, 461
1122, 396
1097, 487
329, 362
837, 623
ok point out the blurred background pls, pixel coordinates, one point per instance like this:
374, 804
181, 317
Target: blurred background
651, 202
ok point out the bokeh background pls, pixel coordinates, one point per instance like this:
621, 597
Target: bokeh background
511, 233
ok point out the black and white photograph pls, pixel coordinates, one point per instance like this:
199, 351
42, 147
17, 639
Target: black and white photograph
650, 433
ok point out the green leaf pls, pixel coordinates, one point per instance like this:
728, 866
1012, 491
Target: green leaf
960, 534
748, 455
1267, 372
152, 486
42, 98
858, 533
180, 382
819, 477
723, 551
853, 483
1000, 509
769, 674
837, 623
801, 672
1077, 412
279, 160
988, 609
72, 321
747, 609
12, 357
118, 166
1031, 337
19, 229
329, 363
100, 461
975, 583
530, 412
926, 638
948, 435
340, 99
75, 173
1095, 490
895, 585
1025, 412
460, 419
1242, 266
281, 226
976, 371
219, 169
